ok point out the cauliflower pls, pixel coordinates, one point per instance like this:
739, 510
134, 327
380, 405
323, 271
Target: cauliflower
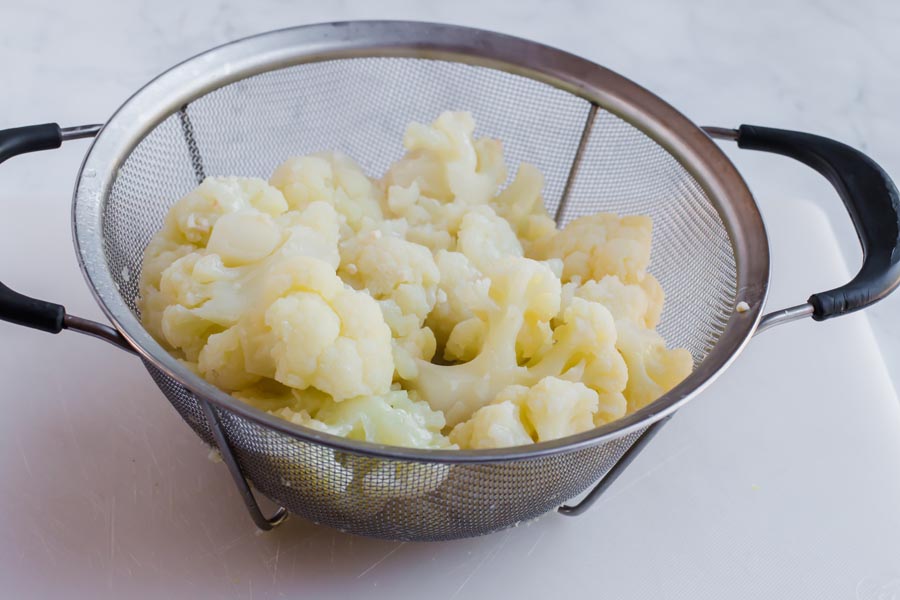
594, 246
551, 409
432, 308
520, 289
333, 178
200, 294
584, 349
191, 219
403, 278
392, 418
641, 302
522, 206
653, 369
446, 163
492, 426
485, 238
462, 291
395, 417
310, 330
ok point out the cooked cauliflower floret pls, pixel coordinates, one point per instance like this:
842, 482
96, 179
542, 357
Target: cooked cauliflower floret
486, 238
595, 246
310, 330
520, 288
551, 409
191, 219
432, 308
653, 369
492, 426
333, 178
403, 278
462, 291
444, 161
640, 302
522, 206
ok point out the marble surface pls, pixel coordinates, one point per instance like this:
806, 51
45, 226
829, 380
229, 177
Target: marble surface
106, 487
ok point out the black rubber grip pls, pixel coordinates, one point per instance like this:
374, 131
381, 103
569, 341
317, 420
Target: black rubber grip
15, 307
20, 140
870, 197
30, 312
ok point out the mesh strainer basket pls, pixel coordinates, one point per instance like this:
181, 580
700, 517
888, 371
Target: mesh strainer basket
603, 143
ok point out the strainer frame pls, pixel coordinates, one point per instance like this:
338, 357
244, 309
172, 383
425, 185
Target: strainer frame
191, 79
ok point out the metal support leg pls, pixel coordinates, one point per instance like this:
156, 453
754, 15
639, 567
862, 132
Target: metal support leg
576, 509
215, 426
576, 162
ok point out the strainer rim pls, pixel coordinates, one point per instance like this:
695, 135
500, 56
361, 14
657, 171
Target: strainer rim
277, 49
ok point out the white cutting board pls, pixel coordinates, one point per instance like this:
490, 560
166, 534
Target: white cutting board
782, 480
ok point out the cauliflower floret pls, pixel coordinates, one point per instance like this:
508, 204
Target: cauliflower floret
244, 237
313, 231
492, 426
442, 159
641, 303
403, 278
653, 369
188, 227
392, 418
333, 178
463, 290
520, 287
199, 294
444, 174
595, 246
485, 238
191, 219
557, 408
584, 349
221, 361
466, 340
310, 330
522, 206
551, 409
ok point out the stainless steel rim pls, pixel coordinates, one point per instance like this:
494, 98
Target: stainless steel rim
238, 60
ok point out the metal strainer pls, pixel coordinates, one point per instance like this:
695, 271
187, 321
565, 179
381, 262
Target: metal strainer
603, 143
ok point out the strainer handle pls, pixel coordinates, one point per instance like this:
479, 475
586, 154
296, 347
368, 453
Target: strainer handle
872, 201
24, 310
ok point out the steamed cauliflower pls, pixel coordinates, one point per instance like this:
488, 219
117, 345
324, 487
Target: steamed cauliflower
433, 308
550, 409
595, 246
403, 278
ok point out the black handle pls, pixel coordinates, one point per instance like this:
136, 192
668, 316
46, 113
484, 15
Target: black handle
20, 140
15, 307
871, 199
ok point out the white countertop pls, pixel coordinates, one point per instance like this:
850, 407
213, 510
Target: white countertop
782, 480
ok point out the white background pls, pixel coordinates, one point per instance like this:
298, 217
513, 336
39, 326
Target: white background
782, 480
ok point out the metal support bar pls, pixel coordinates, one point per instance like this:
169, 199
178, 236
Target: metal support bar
97, 330
79, 132
576, 161
785, 315
215, 426
574, 510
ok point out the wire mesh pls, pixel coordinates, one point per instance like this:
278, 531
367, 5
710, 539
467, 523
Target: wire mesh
360, 106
